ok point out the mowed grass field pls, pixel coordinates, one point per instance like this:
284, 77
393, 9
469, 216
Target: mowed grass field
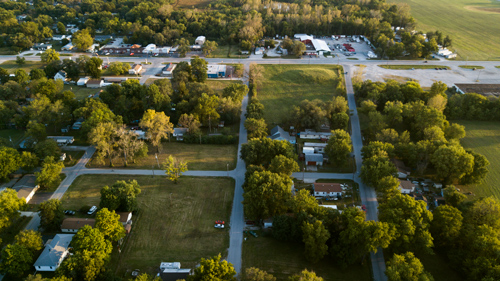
484, 137
285, 86
12, 66
283, 259
473, 25
175, 221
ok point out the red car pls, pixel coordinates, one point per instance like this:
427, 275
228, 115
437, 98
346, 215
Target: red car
131, 54
363, 208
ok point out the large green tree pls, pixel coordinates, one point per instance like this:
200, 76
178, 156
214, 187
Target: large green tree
104, 138
256, 128
51, 214
339, 147
49, 175
10, 161
452, 162
262, 151
255, 274
174, 168
94, 67
283, 165
158, 127
314, 237
199, 69
30, 239
16, 260
10, 205
406, 267
108, 223
305, 275
446, 225
121, 196
82, 39
49, 56
213, 269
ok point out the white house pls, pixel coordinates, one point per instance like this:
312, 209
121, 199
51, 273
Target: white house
173, 271
403, 171
58, 37
168, 69
72, 225
327, 189
317, 146
179, 133
136, 69
200, 40
406, 187
67, 47
277, 133
54, 253
125, 217
93, 83
149, 48
26, 187
61, 75
82, 81
62, 140
314, 159
259, 51
313, 135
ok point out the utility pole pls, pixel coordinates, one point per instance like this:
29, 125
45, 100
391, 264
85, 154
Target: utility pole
156, 156
227, 168
153, 170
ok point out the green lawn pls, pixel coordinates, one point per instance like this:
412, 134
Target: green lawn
411, 66
285, 86
72, 157
283, 259
12, 134
484, 137
471, 24
12, 66
498, 66
199, 157
81, 92
175, 221
219, 85
471, 66
227, 51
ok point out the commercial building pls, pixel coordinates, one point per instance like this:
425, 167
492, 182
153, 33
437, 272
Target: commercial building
487, 90
216, 71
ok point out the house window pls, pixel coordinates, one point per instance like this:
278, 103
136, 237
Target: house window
51, 267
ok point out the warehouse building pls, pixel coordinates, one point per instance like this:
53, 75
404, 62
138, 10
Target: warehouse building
216, 71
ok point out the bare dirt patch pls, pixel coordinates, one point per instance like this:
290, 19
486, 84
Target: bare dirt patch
483, 9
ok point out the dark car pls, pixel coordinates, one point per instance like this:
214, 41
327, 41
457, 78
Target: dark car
69, 212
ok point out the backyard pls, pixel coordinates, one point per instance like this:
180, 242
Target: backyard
199, 157
285, 86
484, 138
175, 221
81, 92
469, 23
283, 259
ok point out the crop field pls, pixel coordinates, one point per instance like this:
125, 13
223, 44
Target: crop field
175, 221
285, 86
484, 137
473, 25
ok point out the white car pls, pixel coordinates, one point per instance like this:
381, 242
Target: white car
219, 225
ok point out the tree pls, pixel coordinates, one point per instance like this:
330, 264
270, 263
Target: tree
9, 161
315, 236
190, 122
82, 39
266, 194
298, 48
49, 175
454, 132
305, 275
255, 274
121, 196
199, 69
93, 67
35, 277
158, 127
213, 269
61, 28
453, 197
375, 168
108, 223
147, 277
485, 211
51, 214
262, 151
104, 138
257, 128
339, 147
174, 168
49, 56
118, 68
183, 47
30, 239
255, 74
283, 165
20, 60
10, 205
411, 221
452, 162
209, 47
309, 114
479, 171
36, 131
16, 259
36, 74
303, 201
406, 267
47, 148
128, 144
206, 109
29, 160
446, 225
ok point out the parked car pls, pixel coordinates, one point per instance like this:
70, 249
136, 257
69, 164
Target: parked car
69, 212
218, 225
92, 210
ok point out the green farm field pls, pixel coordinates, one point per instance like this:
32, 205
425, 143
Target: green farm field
175, 221
484, 137
473, 25
285, 86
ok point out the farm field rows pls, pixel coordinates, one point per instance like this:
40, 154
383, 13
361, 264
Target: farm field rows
285, 86
472, 25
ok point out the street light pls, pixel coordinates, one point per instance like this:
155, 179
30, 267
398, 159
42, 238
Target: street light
156, 156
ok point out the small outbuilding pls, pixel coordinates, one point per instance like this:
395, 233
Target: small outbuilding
168, 70
82, 81
172, 271
179, 133
200, 40
125, 217
136, 69
216, 70
406, 187
94, 83
314, 159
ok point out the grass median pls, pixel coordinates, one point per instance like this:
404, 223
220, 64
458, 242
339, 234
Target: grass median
411, 66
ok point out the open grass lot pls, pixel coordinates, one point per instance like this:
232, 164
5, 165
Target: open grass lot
12, 134
283, 259
72, 157
411, 66
227, 51
12, 66
199, 157
470, 23
471, 66
81, 92
219, 85
175, 221
484, 137
285, 86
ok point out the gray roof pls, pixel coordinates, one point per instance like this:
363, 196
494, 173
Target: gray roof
314, 157
277, 132
28, 181
55, 251
180, 131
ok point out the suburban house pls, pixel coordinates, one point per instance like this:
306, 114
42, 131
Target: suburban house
62, 140
277, 133
125, 217
200, 40
314, 159
313, 135
403, 171
141, 135
26, 187
406, 187
168, 69
318, 147
259, 50
61, 75
179, 133
327, 189
94, 83
74, 224
216, 70
268, 223
67, 47
172, 271
58, 37
41, 46
136, 69
54, 253
78, 124
82, 81
100, 38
